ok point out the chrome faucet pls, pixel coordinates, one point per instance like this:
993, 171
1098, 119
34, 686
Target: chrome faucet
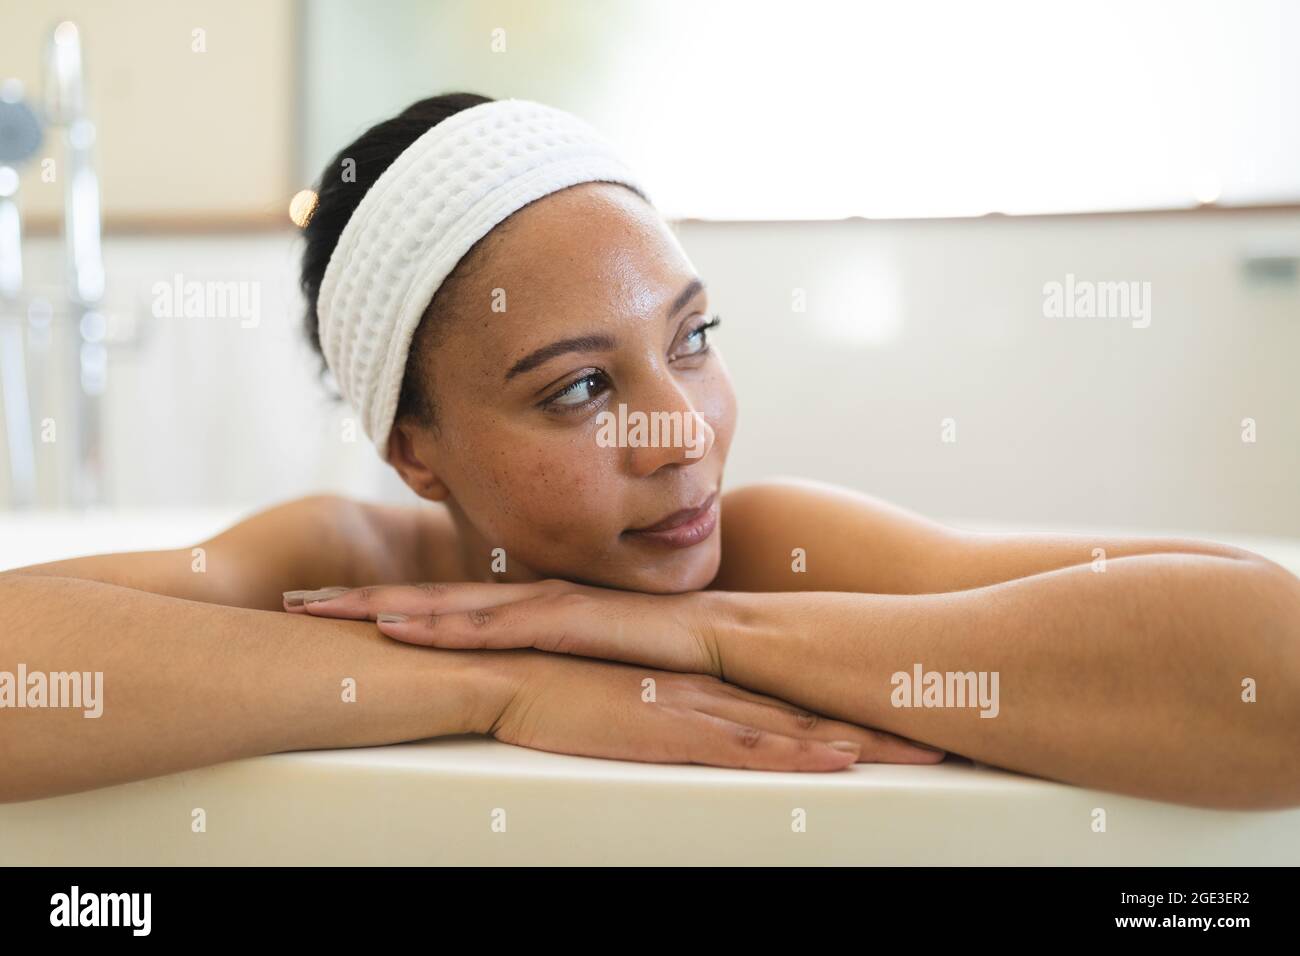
20, 138
64, 109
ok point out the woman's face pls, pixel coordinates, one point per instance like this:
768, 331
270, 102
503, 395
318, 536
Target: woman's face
584, 302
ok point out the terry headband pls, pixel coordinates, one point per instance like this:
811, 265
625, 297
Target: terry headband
444, 193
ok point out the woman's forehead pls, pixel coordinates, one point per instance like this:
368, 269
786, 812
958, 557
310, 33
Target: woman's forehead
550, 266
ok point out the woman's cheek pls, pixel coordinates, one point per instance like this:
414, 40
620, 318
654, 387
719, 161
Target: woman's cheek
719, 407
552, 484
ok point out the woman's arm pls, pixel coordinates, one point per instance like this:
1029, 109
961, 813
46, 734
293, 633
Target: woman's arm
186, 684
1175, 677
1171, 676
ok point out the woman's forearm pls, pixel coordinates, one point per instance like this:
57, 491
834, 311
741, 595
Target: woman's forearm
1129, 680
187, 684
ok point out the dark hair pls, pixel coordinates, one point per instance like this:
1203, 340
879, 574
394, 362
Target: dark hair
371, 153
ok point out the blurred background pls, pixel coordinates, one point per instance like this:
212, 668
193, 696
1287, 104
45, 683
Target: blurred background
881, 196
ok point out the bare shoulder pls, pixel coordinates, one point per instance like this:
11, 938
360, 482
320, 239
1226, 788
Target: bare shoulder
308, 542
409, 542
795, 534
313, 541
799, 535
323, 540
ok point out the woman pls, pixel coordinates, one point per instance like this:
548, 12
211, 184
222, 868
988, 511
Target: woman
491, 288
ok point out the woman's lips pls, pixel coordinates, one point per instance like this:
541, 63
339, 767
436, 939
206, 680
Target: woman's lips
681, 529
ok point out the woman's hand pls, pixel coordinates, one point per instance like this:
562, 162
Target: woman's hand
673, 632
669, 632
599, 709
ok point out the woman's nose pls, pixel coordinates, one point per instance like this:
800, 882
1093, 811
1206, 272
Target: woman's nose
666, 430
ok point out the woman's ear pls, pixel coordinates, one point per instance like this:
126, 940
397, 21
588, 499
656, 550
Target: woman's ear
410, 451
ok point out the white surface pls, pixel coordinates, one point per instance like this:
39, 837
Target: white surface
433, 801
36, 537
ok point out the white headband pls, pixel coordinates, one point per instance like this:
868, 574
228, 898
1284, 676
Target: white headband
445, 192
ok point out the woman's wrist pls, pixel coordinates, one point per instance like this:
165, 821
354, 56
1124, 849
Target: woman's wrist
393, 692
743, 632
480, 683
799, 646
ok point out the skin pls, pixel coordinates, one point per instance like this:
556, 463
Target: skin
716, 625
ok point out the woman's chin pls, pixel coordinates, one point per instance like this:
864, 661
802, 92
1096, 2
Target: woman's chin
692, 569
635, 566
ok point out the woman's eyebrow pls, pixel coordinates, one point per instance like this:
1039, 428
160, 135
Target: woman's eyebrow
693, 288
583, 343
595, 342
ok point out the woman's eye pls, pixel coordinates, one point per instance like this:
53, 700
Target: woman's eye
697, 342
577, 393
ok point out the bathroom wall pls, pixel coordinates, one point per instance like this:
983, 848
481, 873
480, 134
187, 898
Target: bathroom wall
193, 106
1057, 421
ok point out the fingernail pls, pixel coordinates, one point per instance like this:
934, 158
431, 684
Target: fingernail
324, 594
387, 618
294, 598
847, 746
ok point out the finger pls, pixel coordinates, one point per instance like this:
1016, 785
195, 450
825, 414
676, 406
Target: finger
880, 747
876, 746
724, 743
559, 623
497, 627
365, 603
542, 622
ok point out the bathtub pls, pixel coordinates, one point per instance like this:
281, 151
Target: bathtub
474, 801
